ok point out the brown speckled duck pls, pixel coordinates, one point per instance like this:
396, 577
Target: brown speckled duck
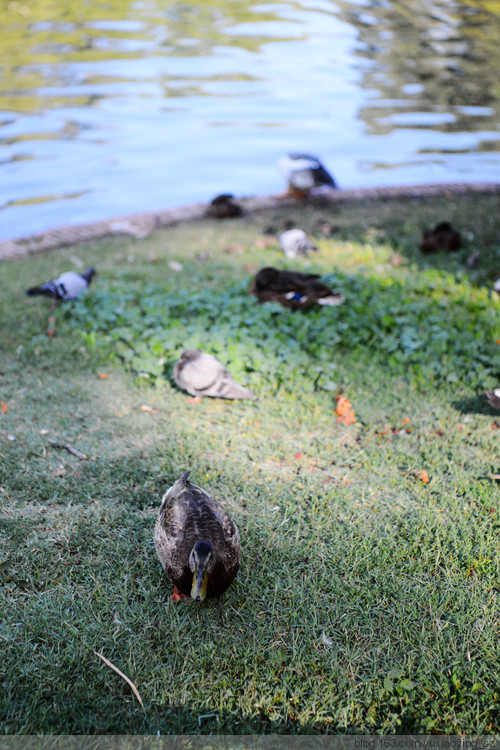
293, 289
197, 542
224, 206
442, 237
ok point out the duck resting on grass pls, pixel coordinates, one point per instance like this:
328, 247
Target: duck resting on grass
442, 237
293, 289
67, 286
224, 206
201, 374
197, 542
303, 172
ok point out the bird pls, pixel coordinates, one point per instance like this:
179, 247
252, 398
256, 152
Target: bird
442, 237
224, 206
197, 542
201, 374
67, 286
303, 172
293, 289
295, 242
493, 398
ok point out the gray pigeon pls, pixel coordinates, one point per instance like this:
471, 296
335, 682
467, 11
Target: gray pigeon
295, 242
67, 286
201, 374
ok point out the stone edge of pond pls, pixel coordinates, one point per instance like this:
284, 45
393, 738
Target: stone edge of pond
140, 225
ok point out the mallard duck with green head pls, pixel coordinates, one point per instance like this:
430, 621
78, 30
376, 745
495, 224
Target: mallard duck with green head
197, 542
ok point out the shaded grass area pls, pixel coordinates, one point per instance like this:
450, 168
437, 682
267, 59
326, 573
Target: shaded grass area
367, 600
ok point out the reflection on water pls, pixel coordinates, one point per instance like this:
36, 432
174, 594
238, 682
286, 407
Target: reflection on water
108, 108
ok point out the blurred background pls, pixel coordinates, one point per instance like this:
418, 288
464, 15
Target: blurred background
121, 106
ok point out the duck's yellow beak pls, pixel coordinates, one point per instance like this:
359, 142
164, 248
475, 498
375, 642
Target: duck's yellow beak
199, 587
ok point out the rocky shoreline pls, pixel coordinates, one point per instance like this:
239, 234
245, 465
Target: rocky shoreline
140, 225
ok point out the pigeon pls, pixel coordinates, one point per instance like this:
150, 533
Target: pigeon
304, 172
293, 289
201, 374
493, 398
67, 286
442, 237
295, 242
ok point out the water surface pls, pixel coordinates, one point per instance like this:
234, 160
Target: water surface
115, 107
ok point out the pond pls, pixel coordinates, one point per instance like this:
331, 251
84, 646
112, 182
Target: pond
114, 107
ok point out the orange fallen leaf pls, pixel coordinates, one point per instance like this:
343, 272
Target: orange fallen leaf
498, 341
406, 421
422, 475
4, 407
344, 410
194, 400
235, 249
298, 455
51, 326
263, 242
102, 375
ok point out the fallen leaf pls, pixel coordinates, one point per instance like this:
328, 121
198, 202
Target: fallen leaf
396, 259
102, 375
194, 400
51, 326
422, 475
263, 242
147, 408
344, 410
3, 407
249, 267
406, 421
298, 455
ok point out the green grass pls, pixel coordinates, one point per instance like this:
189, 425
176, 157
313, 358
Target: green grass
367, 601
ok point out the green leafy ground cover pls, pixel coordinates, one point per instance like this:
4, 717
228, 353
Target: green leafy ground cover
367, 600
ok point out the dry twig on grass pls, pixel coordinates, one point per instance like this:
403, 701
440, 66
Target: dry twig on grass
127, 679
69, 448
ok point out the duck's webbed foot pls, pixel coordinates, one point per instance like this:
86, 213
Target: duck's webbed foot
178, 596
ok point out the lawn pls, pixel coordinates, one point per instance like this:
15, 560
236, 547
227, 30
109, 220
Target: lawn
368, 598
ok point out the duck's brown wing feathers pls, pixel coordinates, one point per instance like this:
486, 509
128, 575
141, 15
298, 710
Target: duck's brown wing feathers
187, 515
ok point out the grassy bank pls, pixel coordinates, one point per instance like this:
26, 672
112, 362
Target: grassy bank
367, 600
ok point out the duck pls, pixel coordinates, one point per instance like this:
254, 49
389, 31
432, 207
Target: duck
293, 289
224, 206
303, 172
295, 242
197, 542
201, 374
493, 398
68, 286
442, 237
